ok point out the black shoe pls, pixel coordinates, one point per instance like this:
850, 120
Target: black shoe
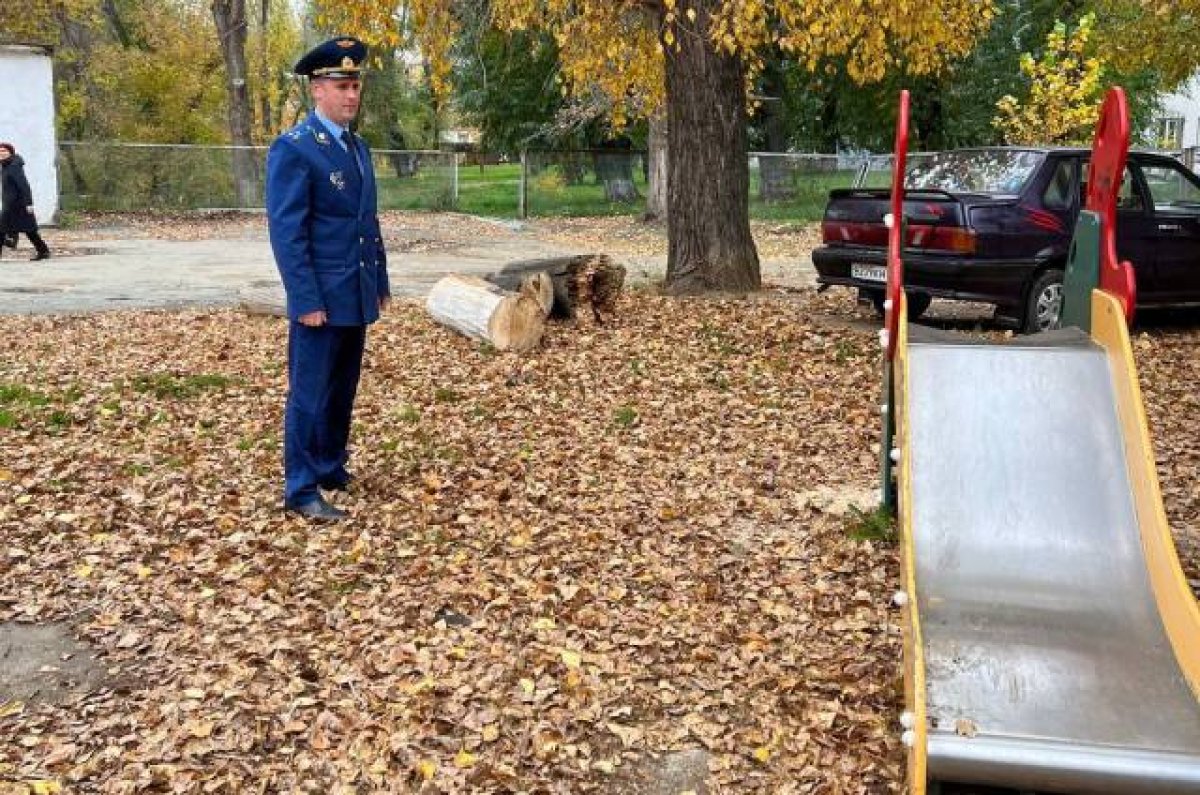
337, 485
318, 509
40, 255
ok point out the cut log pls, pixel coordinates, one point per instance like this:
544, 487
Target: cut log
591, 280
485, 312
263, 301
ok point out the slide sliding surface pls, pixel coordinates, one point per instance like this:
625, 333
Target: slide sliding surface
1057, 650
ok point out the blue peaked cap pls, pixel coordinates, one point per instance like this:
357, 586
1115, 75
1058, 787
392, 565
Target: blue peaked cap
339, 57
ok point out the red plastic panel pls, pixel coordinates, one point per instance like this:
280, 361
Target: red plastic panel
895, 269
1109, 150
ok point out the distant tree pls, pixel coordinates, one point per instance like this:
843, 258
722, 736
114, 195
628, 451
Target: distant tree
506, 82
1064, 93
695, 57
1160, 36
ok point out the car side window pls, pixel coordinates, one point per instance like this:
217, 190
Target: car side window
1129, 196
1172, 189
1058, 189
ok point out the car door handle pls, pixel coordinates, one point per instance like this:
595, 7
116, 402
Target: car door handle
1169, 227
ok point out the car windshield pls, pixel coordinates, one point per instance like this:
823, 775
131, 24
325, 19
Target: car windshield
1001, 171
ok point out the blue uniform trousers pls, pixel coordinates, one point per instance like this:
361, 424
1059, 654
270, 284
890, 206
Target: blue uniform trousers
324, 364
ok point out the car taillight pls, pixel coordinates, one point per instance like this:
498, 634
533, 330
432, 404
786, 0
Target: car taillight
862, 234
956, 239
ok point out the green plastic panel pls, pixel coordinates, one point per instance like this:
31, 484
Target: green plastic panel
1083, 272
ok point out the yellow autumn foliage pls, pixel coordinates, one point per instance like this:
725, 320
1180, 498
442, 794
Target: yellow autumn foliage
616, 47
1065, 91
1158, 34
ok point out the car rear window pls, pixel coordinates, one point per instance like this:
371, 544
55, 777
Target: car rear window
997, 171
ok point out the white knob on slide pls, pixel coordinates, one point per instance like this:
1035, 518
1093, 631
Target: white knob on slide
909, 738
907, 719
900, 598
883, 337
894, 455
887, 305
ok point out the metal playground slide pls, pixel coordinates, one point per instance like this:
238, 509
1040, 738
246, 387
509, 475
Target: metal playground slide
1052, 643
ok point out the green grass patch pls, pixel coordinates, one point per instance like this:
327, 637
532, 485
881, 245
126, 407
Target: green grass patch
21, 395
625, 416
874, 525
168, 385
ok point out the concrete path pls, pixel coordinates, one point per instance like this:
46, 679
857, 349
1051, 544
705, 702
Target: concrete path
146, 273
164, 274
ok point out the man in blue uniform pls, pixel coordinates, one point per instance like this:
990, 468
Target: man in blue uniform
321, 211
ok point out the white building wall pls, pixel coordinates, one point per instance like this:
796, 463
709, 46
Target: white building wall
1185, 104
27, 120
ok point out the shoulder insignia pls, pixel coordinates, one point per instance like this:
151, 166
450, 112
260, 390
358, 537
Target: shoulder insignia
321, 136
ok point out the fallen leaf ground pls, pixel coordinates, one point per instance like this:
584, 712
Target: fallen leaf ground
559, 566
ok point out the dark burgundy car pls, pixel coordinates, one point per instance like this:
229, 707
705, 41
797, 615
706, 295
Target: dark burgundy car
994, 225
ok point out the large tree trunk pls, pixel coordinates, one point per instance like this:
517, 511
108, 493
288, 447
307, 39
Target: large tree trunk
656, 190
230, 18
708, 178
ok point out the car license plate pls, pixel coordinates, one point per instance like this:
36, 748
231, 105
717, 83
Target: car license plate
869, 273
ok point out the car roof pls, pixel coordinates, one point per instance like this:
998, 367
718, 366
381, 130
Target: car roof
1055, 150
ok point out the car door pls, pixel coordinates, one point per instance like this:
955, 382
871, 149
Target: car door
1174, 200
1136, 234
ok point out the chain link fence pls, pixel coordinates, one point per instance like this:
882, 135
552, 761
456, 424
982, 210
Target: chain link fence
164, 177
583, 182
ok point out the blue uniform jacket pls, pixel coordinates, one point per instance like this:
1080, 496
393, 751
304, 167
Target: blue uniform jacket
324, 226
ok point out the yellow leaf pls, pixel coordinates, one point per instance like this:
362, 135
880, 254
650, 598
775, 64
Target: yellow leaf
143, 572
11, 708
83, 571
669, 37
528, 687
5, 475
426, 769
763, 754
544, 623
464, 759
691, 14
201, 729
491, 733
41, 786
571, 659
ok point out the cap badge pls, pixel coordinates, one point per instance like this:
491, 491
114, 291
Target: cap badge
345, 44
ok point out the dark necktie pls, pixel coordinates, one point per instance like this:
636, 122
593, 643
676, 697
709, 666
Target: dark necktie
348, 140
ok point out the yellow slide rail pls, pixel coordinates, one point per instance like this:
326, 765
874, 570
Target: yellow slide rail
914, 720
1177, 605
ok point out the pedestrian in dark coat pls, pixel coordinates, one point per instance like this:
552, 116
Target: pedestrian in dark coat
16, 204
322, 217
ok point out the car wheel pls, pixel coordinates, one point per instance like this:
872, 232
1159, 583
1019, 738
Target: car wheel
917, 303
1043, 307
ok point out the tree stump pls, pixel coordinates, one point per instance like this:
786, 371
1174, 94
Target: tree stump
591, 280
482, 311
